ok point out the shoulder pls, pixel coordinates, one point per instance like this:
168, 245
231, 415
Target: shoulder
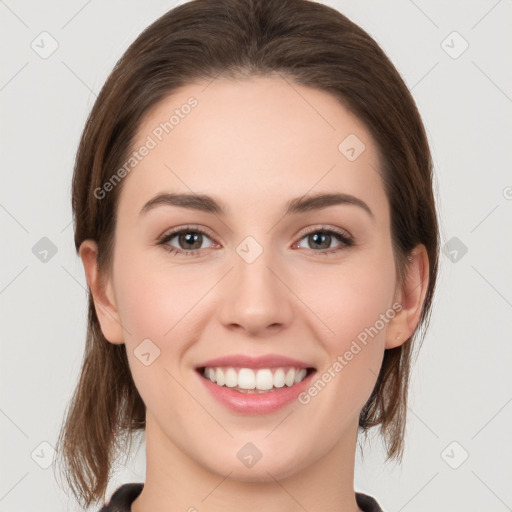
367, 503
122, 498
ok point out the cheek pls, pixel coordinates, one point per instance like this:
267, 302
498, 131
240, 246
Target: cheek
154, 298
163, 303
349, 298
352, 309
352, 304
157, 305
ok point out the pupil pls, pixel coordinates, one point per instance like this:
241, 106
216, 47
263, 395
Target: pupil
316, 236
191, 238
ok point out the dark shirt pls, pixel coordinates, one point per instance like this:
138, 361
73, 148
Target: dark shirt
125, 495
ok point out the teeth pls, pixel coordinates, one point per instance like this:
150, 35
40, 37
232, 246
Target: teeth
246, 379
219, 377
300, 375
279, 378
231, 377
289, 380
264, 380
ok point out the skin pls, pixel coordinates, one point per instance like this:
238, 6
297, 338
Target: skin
253, 144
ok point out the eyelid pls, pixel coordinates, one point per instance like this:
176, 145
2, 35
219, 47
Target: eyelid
189, 227
322, 227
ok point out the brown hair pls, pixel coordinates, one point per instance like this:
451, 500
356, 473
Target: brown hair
310, 44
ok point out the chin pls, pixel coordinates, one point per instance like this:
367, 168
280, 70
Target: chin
266, 469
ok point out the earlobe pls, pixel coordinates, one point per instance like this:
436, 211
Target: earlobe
411, 296
102, 293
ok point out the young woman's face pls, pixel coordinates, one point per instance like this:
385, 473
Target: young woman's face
264, 277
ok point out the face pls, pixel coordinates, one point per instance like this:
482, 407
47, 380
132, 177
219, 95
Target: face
254, 275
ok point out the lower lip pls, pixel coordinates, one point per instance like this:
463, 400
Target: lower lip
256, 403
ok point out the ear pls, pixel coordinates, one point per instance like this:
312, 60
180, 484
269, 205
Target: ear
102, 293
410, 295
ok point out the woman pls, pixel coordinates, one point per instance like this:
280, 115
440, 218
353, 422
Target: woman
254, 212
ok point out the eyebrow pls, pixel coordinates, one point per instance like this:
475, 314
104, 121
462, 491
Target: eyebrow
208, 204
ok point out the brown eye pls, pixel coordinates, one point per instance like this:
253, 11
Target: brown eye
321, 240
188, 241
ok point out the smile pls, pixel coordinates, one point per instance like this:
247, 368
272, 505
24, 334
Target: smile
261, 380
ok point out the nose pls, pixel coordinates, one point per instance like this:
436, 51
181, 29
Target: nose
255, 297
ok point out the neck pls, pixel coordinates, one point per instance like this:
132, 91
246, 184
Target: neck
175, 481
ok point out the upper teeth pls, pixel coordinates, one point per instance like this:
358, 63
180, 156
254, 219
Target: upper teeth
263, 379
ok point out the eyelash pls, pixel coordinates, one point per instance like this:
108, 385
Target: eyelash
345, 240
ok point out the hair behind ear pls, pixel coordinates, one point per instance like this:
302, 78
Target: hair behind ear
104, 406
387, 405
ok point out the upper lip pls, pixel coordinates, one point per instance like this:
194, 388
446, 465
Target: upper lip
245, 361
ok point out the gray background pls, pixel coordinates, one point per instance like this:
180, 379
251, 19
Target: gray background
460, 400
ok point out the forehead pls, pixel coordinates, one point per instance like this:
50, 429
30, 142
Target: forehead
252, 139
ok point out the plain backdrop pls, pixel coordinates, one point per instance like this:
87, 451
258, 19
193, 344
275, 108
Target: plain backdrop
455, 57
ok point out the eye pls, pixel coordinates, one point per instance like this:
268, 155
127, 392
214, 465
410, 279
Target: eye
321, 238
189, 240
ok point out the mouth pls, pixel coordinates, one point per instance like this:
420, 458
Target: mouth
255, 380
